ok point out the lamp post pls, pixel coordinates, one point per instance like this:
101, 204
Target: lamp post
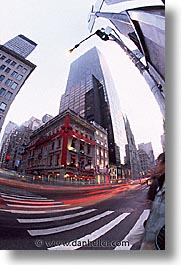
105, 34
77, 45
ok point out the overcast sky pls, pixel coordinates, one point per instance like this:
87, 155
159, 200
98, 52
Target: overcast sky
57, 26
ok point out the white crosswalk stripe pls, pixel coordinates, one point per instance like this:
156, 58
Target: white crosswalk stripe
20, 197
40, 212
87, 221
94, 235
64, 228
36, 206
32, 202
56, 218
136, 232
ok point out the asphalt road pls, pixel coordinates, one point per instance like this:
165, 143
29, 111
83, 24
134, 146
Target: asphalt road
109, 217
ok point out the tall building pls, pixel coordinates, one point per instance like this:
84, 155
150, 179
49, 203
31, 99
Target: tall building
46, 118
90, 92
11, 127
149, 150
132, 158
21, 45
142, 22
14, 71
144, 161
18, 141
33, 123
11, 140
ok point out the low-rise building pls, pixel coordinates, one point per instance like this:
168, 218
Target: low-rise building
66, 147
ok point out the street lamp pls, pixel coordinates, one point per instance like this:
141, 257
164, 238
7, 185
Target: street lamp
105, 34
101, 33
77, 45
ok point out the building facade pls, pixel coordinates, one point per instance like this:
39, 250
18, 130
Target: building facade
147, 147
66, 148
13, 141
19, 139
144, 161
132, 159
21, 45
90, 92
14, 71
33, 123
142, 22
11, 127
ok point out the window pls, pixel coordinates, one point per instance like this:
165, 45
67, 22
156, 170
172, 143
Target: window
14, 85
19, 77
2, 67
8, 95
82, 147
8, 82
20, 67
3, 106
73, 143
88, 149
57, 159
7, 70
2, 92
8, 61
13, 63
53, 145
14, 74
72, 160
2, 77
24, 70
2, 57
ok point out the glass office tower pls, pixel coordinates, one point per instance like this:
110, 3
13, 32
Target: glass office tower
90, 92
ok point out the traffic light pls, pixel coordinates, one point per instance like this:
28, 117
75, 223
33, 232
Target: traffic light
102, 35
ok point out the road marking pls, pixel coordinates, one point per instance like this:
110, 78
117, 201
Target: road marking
57, 218
32, 196
136, 232
40, 212
36, 206
94, 235
64, 228
35, 202
22, 198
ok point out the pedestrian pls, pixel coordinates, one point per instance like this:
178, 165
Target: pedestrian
153, 188
156, 219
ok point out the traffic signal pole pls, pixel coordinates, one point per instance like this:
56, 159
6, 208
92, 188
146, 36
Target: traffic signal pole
154, 86
150, 80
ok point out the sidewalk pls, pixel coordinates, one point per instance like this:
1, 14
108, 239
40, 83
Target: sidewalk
60, 187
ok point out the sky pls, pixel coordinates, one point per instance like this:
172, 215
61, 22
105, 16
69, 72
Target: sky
56, 26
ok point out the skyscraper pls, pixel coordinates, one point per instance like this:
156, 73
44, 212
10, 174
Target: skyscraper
14, 70
21, 45
149, 150
132, 158
90, 92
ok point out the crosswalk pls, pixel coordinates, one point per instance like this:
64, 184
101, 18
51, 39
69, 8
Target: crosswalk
79, 227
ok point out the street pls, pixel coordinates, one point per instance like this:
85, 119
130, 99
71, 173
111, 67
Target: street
89, 217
